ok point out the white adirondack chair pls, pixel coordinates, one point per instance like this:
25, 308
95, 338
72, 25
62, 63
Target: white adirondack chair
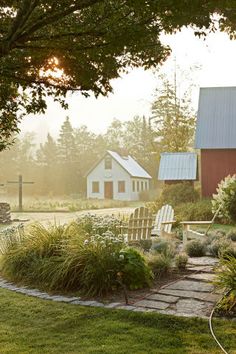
163, 222
140, 225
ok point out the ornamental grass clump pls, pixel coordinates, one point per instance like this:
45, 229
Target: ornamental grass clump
226, 280
66, 258
31, 257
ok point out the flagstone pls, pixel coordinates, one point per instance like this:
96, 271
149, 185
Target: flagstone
202, 276
190, 285
164, 298
152, 304
211, 261
210, 297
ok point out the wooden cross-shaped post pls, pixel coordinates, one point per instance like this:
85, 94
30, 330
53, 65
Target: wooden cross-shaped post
20, 184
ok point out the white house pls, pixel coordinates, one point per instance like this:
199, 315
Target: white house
117, 177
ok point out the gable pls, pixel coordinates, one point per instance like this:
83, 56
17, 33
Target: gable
128, 164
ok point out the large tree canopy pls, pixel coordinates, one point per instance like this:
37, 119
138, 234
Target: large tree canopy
48, 47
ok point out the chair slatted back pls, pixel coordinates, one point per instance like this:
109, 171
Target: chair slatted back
140, 224
166, 213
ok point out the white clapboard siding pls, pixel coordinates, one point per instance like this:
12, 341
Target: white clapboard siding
166, 213
140, 225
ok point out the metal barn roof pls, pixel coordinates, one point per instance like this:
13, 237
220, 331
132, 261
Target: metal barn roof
216, 121
130, 165
178, 166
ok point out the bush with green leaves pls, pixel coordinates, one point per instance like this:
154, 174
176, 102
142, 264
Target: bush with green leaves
195, 248
179, 193
67, 258
175, 194
226, 280
225, 199
199, 210
134, 272
181, 261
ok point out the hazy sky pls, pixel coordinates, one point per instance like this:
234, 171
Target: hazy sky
134, 92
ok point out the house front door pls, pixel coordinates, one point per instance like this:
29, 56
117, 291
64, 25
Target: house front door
108, 190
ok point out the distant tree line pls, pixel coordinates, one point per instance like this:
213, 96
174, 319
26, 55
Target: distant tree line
58, 166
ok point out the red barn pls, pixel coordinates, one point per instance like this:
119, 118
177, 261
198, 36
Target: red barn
216, 136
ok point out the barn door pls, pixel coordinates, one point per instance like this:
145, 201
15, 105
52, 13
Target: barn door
108, 190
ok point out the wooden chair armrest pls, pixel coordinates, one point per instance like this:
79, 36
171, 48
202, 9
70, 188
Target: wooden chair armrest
168, 222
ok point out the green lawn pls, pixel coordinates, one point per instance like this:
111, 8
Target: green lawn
30, 325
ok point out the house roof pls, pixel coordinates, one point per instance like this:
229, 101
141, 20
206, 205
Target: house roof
127, 163
216, 121
130, 165
178, 166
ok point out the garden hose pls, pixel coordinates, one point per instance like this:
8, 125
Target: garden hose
211, 328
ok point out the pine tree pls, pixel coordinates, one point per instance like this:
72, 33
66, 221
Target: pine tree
174, 120
68, 159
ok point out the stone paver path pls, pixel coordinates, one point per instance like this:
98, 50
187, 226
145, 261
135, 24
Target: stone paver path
192, 296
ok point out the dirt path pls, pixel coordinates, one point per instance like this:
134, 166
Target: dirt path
62, 218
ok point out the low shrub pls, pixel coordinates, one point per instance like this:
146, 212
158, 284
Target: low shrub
195, 248
231, 235
218, 246
199, 210
226, 280
94, 224
164, 247
175, 194
160, 264
145, 245
134, 271
181, 261
179, 193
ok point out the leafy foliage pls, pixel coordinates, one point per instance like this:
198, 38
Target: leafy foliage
199, 210
179, 194
225, 199
49, 47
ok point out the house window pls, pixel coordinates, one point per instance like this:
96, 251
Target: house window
95, 187
133, 184
142, 186
146, 185
137, 186
108, 163
121, 186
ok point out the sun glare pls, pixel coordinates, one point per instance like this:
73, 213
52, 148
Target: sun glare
52, 72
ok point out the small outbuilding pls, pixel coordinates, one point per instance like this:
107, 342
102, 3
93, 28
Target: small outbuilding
117, 177
216, 136
177, 167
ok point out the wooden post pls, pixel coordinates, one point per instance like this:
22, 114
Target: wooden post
20, 185
20, 193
